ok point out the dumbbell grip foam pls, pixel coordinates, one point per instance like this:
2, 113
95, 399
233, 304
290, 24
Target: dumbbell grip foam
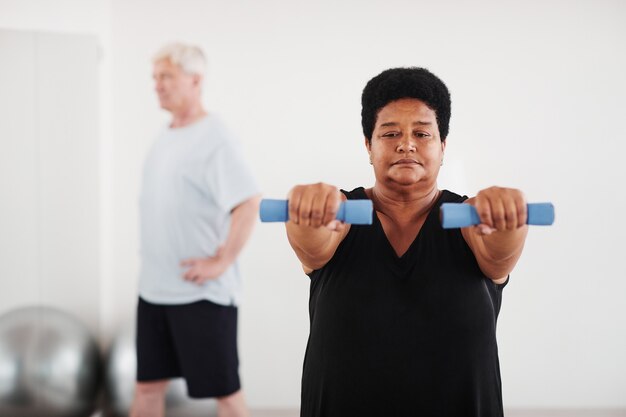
351, 211
455, 215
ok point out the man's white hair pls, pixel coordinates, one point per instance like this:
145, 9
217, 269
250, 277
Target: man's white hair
189, 58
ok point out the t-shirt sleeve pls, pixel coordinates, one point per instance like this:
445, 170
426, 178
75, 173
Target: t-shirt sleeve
229, 179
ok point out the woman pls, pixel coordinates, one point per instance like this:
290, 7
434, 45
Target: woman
403, 313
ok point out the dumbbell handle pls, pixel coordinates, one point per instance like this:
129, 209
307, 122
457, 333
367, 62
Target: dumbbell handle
351, 211
454, 215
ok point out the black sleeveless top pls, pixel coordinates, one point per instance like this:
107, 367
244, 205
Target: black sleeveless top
402, 336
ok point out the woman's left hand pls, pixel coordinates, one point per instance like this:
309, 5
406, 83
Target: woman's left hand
500, 209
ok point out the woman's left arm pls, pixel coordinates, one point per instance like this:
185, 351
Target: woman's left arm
498, 241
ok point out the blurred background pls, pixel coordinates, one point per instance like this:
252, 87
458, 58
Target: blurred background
538, 103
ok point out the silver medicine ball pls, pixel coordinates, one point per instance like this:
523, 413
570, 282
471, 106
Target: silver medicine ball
49, 364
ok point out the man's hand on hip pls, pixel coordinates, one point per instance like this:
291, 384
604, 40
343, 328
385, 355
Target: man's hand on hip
203, 269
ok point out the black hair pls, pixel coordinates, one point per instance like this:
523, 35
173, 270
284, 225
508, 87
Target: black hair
397, 83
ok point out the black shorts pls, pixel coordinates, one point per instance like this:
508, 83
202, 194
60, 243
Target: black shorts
196, 341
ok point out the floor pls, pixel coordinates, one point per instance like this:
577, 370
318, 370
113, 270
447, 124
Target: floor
566, 413
508, 413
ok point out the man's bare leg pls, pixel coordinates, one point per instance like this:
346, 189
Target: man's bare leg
233, 405
149, 400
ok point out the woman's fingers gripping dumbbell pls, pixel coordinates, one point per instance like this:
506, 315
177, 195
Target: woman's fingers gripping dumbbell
500, 209
314, 205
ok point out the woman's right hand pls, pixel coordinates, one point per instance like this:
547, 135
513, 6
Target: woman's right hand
313, 229
315, 205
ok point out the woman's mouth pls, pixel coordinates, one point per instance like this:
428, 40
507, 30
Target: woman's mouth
406, 161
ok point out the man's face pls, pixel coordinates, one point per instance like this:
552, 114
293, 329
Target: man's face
174, 87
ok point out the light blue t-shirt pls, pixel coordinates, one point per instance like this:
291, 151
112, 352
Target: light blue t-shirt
193, 177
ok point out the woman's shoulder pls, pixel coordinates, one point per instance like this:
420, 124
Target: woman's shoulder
448, 196
356, 194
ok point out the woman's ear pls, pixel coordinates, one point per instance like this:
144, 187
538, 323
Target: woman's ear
443, 149
368, 146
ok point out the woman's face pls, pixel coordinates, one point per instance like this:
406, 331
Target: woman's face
406, 148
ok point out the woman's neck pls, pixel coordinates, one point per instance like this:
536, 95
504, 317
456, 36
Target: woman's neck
403, 206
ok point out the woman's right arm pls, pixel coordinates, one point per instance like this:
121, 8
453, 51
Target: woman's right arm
312, 229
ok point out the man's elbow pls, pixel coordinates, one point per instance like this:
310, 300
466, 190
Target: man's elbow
251, 205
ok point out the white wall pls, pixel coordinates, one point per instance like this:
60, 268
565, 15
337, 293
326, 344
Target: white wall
89, 18
537, 93
49, 245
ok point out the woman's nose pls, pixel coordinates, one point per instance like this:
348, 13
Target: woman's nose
406, 144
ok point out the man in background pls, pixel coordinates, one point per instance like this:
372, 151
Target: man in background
198, 205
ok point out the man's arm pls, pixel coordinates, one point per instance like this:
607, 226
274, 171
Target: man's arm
243, 219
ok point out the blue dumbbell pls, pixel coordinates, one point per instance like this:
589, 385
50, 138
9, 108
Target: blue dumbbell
454, 215
351, 211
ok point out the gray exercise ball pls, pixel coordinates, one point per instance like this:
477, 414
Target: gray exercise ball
49, 364
120, 375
